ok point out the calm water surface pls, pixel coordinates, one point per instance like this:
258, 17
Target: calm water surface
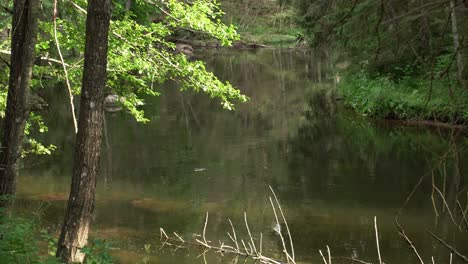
333, 171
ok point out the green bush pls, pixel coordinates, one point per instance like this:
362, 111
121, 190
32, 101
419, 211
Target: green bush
22, 240
97, 252
19, 241
404, 98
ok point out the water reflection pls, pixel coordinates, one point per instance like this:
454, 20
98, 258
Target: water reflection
332, 170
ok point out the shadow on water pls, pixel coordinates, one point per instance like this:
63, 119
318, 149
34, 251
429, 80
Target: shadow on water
333, 171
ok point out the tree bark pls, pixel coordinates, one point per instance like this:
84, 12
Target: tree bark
23, 41
80, 207
128, 5
456, 44
464, 31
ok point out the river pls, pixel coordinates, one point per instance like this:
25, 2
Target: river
333, 171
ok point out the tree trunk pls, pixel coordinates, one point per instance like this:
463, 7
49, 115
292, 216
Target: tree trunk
80, 207
23, 43
128, 5
456, 44
464, 30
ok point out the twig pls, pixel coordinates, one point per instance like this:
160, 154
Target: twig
204, 228
7, 52
433, 200
78, 7
249, 248
279, 233
463, 257
329, 255
353, 260
67, 80
245, 248
163, 233
377, 239
179, 237
261, 243
204, 258
6, 9
250, 235
402, 233
408, 198
234, 239
6, 62
285, 223
430, 5
323, 257
463, 212
445, 203
447, 69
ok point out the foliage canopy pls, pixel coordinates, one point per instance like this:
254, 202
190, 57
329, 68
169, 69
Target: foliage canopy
141, 56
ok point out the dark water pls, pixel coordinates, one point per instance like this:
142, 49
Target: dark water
332, 171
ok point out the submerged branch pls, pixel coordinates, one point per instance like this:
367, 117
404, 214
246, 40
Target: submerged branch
377, 240
285, 222
463, 257
402, 233
353, 260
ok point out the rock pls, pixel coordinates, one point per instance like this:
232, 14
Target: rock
185, 49
36, 102
112, 103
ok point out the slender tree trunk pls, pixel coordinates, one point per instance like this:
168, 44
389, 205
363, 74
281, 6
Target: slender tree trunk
456, 44
464, 31
128, 5
23, 41
80, 207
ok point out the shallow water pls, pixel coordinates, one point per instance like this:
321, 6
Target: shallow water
333, 171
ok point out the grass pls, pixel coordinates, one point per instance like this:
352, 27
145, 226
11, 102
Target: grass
269, 36
405, 99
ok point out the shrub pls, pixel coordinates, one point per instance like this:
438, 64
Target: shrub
405, 98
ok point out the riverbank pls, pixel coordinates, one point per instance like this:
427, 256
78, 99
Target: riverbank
410, 99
